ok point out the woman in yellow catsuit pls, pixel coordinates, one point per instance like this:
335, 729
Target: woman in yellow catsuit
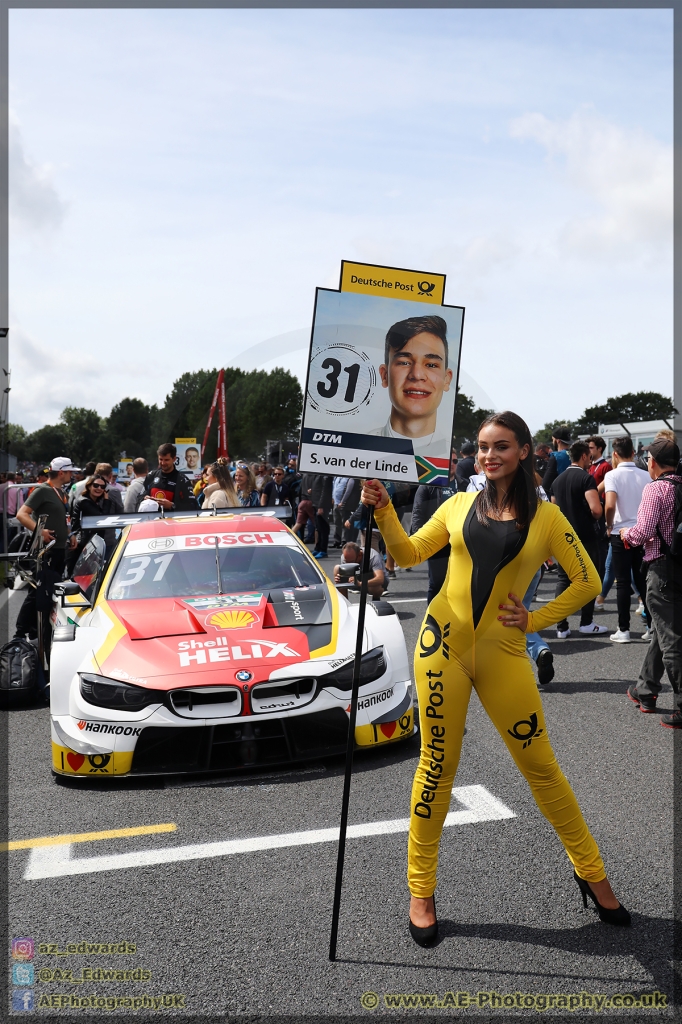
473, 637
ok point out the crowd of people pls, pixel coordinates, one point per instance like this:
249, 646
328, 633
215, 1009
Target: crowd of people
623, 515
565, 509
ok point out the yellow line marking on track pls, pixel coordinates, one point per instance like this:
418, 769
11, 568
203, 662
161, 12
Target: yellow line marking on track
86, 837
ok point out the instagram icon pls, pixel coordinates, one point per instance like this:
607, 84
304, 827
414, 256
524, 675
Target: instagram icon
22, 949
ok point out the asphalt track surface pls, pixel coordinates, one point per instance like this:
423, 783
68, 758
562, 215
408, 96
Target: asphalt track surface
247, 933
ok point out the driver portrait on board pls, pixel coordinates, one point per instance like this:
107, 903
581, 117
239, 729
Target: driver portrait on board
415, 371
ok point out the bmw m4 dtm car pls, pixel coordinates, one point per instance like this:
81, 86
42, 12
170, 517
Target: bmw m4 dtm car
210, 643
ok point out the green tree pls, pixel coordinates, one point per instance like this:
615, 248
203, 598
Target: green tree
630, 408
546, 432
195, 416
259, 405
16, 440
83, 433
262, 405
47, 443
468, 419
128, 428
172, 419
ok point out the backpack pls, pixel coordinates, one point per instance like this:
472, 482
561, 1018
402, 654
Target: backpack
673, 550
18, 668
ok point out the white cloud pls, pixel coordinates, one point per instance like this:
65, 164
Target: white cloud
627, 172
44, 381
34, 203
478, 257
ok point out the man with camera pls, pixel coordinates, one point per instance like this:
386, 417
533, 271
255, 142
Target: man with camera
353, 553
47, 499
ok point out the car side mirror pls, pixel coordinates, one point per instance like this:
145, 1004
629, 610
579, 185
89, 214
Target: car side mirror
69, 588
348, 570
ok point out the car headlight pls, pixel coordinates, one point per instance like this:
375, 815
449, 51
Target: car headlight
109, 693
372, 666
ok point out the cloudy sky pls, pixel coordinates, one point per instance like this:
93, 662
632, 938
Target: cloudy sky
180, 181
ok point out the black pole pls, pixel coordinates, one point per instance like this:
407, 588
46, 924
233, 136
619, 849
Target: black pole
351, 732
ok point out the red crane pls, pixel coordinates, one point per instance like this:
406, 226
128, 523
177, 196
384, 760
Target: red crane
218, 400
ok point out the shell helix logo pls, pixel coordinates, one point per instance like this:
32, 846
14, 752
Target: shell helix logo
233, 620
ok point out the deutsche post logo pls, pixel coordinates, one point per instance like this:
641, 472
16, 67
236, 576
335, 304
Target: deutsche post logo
526, 730
233, 620
426, 287
431, 638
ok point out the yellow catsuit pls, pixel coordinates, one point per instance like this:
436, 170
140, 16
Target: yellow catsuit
453, 654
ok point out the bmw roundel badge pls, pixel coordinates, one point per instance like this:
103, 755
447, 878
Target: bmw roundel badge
244, 676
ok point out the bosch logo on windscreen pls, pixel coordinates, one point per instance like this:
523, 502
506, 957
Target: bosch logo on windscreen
228, 539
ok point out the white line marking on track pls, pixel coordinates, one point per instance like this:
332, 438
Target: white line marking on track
403, 600
56, 861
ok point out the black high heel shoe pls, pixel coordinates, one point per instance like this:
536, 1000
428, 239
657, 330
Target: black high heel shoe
618, 916
425, 936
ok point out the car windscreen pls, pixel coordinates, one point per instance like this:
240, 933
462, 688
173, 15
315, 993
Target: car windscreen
195, 573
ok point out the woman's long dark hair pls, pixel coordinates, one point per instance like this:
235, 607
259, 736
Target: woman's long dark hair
522, 495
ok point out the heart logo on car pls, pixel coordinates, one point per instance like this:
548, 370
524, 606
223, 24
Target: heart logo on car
388, 728
75, 760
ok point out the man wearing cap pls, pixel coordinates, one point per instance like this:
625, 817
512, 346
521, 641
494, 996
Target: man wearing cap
559, 459
46, 499
654, 529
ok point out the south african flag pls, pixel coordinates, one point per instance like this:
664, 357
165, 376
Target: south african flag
433, 471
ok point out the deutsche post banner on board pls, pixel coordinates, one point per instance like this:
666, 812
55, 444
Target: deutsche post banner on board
382, 377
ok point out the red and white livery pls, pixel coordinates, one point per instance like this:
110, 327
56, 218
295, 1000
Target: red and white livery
211, 643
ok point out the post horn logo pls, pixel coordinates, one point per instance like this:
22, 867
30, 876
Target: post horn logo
431, 638
233, 620
426, 287
526, 734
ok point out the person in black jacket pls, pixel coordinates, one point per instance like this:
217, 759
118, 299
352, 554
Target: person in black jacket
94, 501
318, 487
541, 458
350, 501
466, 466
426, 501
168, 486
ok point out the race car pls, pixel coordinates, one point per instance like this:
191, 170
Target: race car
209, 643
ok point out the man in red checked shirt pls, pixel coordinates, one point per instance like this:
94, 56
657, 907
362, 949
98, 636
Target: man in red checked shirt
654, 529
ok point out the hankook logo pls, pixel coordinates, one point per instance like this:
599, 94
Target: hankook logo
160, 542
